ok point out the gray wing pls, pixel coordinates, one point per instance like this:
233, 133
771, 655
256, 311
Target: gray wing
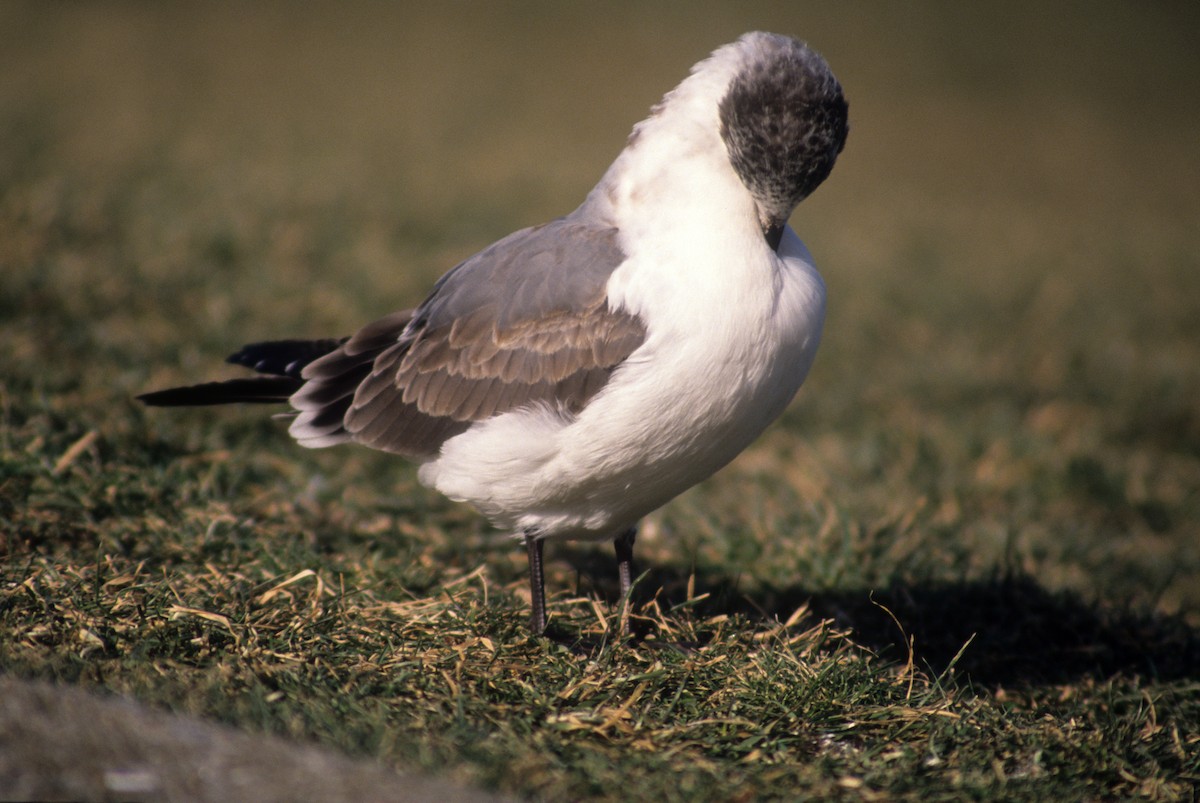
524, 321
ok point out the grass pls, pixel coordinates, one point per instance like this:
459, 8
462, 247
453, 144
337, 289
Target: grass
965, 564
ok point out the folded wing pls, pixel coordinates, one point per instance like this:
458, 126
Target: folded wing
525, 321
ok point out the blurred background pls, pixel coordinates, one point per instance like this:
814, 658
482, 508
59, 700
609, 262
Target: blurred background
1010, 376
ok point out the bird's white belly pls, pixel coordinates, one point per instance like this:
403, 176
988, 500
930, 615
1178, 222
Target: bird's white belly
679, 409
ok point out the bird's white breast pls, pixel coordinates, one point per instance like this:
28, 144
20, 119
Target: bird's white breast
730, 338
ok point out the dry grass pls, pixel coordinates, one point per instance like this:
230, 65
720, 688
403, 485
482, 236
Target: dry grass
965, 564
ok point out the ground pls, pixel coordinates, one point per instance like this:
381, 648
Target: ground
964, 564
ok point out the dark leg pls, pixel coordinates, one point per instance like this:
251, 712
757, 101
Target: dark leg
537, 583
624, 546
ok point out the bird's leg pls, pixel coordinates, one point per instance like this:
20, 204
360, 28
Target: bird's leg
624, 547
537, 583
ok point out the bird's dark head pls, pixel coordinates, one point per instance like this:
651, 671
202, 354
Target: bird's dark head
784, 122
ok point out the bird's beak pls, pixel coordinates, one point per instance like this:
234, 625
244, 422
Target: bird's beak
773, 234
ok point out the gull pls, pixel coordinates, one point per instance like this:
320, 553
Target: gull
577, 375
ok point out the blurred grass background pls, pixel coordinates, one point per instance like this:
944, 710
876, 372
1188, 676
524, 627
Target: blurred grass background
1001, 435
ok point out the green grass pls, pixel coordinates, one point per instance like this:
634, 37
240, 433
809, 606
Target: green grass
965, 564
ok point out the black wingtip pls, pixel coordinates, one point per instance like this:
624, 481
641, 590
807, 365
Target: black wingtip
283, 357
258, 390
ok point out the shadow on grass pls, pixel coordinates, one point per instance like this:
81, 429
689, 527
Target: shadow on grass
1019, 633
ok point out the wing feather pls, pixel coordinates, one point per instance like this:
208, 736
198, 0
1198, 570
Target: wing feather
524, 321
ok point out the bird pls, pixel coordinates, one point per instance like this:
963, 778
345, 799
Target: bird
575, 376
